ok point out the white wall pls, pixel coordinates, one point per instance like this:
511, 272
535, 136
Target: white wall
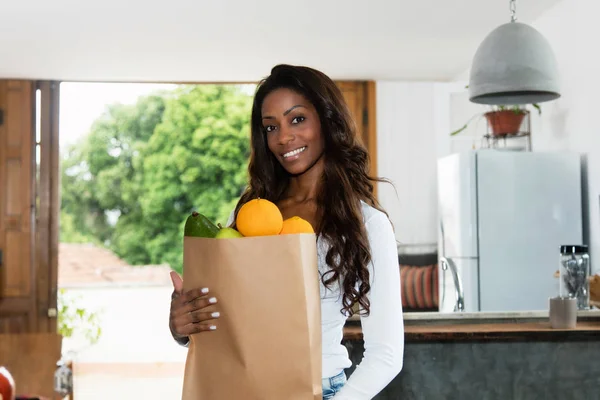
135, 333
570, 123
414, 119
134, 319
410, 116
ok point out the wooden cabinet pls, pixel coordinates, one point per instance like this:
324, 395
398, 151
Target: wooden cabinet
31, 359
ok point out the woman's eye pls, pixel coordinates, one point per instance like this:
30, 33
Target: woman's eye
269, 128
298, 119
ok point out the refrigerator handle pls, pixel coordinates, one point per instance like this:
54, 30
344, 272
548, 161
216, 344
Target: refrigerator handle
447, 263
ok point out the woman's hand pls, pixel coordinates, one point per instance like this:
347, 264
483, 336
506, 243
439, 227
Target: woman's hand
189, 310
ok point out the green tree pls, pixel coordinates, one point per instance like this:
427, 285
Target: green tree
149, 165
69, 232
99, 174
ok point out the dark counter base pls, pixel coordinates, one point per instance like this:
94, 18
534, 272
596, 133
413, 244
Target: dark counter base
493, 370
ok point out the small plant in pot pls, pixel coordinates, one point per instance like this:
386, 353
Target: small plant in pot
504, 120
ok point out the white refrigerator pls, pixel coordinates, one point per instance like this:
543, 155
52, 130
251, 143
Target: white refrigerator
502, 218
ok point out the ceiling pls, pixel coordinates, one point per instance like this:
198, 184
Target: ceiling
240, 40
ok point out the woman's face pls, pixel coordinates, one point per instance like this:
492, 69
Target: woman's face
293, 129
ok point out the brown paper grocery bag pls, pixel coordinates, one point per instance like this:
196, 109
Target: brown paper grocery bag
267, 345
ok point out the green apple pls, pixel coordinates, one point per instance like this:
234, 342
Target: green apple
227, 233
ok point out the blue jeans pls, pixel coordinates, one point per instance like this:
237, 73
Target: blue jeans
333, 385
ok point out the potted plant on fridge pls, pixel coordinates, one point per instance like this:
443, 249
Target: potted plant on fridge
503, 120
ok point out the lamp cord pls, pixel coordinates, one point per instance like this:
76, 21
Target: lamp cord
513, 10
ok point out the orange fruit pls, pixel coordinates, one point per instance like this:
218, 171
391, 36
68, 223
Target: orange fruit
296, 225
259, 217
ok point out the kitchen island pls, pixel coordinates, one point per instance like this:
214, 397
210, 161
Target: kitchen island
492, 356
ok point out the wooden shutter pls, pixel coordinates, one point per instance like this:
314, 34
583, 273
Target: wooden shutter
28, 207
360, 96
17, 178
48, 207
29, 344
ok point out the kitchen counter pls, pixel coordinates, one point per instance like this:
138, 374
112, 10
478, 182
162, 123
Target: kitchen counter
490, 331
511, 355
488, 326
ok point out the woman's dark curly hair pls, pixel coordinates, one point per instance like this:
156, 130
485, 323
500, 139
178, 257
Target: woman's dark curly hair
344, 184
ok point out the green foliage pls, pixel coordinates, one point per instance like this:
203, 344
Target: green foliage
70, 234
73, 320
150, 164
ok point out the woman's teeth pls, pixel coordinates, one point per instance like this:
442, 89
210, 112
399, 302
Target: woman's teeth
294, 152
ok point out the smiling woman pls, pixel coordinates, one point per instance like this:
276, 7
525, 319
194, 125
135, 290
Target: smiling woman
307, 158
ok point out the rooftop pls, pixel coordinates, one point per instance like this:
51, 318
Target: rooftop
89, 265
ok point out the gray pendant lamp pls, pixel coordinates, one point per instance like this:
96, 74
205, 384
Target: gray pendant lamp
514, 65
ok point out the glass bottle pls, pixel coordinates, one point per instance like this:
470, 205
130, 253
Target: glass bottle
575, 270
63, 379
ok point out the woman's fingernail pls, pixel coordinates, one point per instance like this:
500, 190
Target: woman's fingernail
212, 327
212, 300
216, 314
204, 290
